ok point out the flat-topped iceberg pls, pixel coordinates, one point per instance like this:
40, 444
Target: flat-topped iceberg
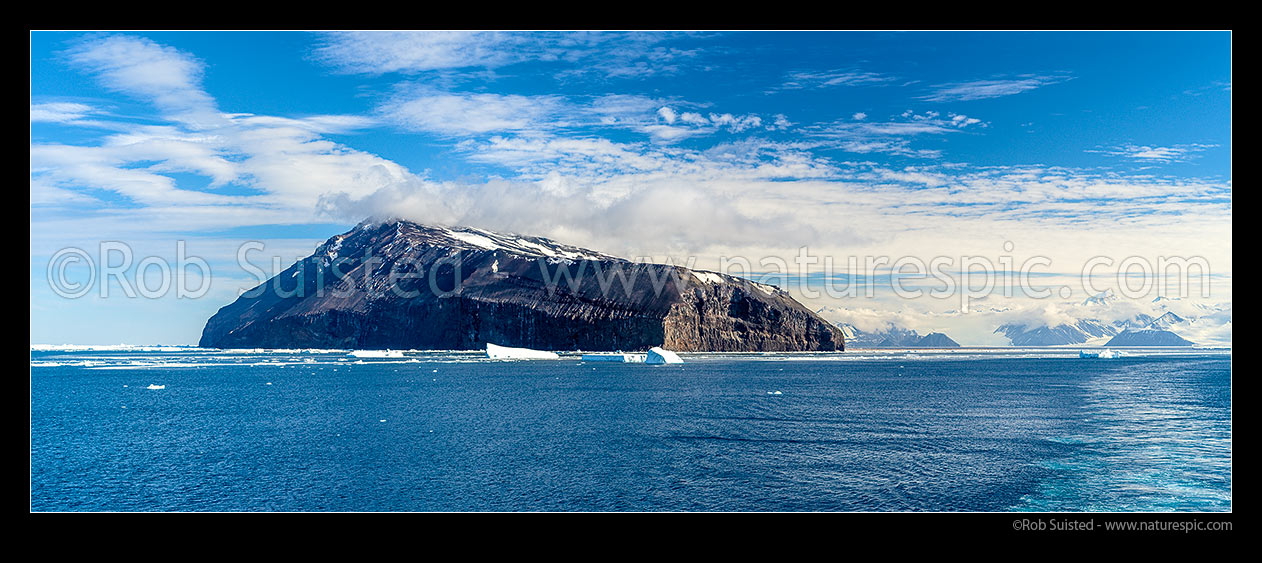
496, 352
658, 355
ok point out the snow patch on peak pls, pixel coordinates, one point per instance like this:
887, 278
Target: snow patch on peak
472, 238
768, 289
536, 247
475, 240
334, 245
707, 277
1166, 321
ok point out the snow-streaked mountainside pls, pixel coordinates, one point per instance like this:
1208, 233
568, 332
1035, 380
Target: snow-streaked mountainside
1078, 332
1167, 321
1148, 337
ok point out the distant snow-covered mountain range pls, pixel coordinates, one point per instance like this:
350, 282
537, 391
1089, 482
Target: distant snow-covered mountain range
894, 337
1113, 321
1104, 319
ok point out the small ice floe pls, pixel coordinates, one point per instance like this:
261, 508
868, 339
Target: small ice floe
155, 387
1102, 354
496, 352
658, 355
617, 358
376, 354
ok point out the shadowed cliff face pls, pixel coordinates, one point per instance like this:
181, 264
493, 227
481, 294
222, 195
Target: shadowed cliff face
406, 286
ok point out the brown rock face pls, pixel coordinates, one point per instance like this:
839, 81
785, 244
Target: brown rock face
400, 285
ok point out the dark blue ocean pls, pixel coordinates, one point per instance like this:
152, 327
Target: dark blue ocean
979, 430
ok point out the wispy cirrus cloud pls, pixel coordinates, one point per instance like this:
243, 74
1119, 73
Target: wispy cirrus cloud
1215, 86
1155, 154
468, 114
602, 54
60, 112
894, 136
381, 52
136, 66
803, 79
457, 114
991, 88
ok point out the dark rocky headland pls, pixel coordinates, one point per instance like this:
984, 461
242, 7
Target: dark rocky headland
401, 285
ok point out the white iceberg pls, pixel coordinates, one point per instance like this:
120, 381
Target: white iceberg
618, 358
658, 355
376, 354
496, 352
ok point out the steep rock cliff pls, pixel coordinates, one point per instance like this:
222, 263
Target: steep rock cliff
397, 284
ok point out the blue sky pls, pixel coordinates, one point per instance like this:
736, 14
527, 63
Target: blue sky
643, 144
